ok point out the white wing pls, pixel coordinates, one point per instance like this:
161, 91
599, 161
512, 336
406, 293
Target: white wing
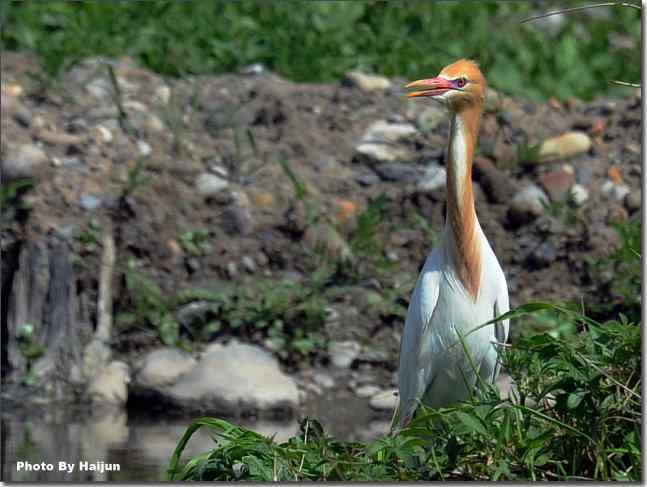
415, 374
501, 328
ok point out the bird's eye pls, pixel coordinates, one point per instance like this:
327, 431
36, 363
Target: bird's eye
460, 82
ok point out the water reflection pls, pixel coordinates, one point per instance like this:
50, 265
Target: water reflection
141, 446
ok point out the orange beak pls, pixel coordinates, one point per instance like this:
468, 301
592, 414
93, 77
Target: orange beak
430, 87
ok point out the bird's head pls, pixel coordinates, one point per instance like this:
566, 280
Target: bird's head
459, 85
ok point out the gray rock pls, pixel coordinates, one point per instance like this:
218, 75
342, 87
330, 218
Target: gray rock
398, 172
433, 179
342, 354
543, 256
367, 179
90, 202
614, 191
249, 264
579, 194
368, 390
22, 115
384, 131
238, 220
232, 269
527, 204
373, 152
323, 380
163, 367
633, 201
144, 148
24, 161
385, 400
210, 184
235, 379
110, 385
367, 82
379, 143
194, 312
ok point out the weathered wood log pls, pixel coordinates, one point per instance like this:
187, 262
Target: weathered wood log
42, 315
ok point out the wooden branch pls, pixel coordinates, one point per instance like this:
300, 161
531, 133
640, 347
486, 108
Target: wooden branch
104, 305
584, 7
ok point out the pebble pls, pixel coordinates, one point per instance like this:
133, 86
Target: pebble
367, 179
527, 204
373, 152
162, 95
23, 161
616, 214
248, 264
614, 190
434, 178
58, 138
557, 183
633, 201
238, 220
232, 269
144, 148
22, 115
89, 202
579, 194
397, 172
323, 380
153, 124
543, 255
193, 313
367, 82
342, 354
255, 69
210, 184
103, 135
368, 390
385, 400
566, 145
385, 131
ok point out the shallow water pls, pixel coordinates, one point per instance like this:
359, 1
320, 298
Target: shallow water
140, 444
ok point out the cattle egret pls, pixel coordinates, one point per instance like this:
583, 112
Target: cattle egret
461, 285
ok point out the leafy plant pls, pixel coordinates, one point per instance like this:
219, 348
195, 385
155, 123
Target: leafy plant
148, 306
91, 236
575, 415
30, 349
624, 265
195, 242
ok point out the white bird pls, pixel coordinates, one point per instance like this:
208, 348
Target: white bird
461, 285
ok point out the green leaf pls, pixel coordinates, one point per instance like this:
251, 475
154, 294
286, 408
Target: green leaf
574, 399
472, 422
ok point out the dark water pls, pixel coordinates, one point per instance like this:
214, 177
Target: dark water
140, 444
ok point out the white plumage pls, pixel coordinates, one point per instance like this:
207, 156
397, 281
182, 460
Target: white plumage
462, 285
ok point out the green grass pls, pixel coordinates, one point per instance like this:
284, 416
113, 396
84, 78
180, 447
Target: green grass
577, 416
308, 41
